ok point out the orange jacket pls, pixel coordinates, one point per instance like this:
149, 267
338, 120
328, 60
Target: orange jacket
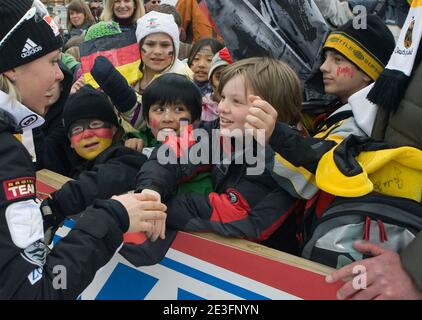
197, 19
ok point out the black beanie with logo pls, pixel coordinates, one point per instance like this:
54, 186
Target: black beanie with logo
88, 103
32, 39
369, 48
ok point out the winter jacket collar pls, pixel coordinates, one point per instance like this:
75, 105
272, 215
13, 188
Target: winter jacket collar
117, 152
7, 123
364, 111
180, 68
22, 117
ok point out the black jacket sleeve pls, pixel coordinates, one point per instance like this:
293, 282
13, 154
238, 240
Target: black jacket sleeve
74, 261
299, 150
144, 252
113, 177
26, 270
235, 212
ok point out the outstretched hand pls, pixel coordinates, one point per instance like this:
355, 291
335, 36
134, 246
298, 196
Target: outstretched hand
382, 275
146, 214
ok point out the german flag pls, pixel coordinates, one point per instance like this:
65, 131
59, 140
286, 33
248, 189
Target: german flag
121, 49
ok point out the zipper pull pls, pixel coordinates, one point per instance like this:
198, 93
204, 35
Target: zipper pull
383, 233
366, 229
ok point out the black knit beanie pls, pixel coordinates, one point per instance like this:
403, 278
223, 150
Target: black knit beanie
368, 48
88, 103
31, 40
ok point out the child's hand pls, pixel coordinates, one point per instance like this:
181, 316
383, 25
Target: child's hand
159, 227
145, 213
77, 85
135, 144
261, 116
152, 194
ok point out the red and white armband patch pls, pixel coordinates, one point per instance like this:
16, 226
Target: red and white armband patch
18, 188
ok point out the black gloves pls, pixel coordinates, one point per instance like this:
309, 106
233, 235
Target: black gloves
113, 84
52, 220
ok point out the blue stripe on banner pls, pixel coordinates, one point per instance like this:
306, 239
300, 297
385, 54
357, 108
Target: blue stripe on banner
186, 295
129, 283
126, 283
211, 280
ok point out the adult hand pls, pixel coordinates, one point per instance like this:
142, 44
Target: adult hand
262, 116
385, 277
143, 210
135, 144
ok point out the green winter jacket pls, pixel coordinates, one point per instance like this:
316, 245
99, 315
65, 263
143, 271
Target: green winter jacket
412, 260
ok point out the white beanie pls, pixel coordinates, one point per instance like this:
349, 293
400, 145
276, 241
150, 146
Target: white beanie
157, 22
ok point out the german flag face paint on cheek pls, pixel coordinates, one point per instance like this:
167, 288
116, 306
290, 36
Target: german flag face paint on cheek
91, 142
157, 51
170, 52
105, 133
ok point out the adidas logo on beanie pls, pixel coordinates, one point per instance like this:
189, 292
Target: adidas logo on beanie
32, 38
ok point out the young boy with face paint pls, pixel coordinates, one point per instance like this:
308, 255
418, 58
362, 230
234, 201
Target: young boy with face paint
353, 59
104, 166
170, 103
109, 168
90, 123
168, 100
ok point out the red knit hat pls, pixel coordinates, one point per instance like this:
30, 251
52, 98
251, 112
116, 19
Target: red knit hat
221, 58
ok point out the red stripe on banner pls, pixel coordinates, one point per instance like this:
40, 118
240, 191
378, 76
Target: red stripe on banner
293, 280
123, 55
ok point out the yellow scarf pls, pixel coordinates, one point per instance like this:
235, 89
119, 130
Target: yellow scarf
394, 172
